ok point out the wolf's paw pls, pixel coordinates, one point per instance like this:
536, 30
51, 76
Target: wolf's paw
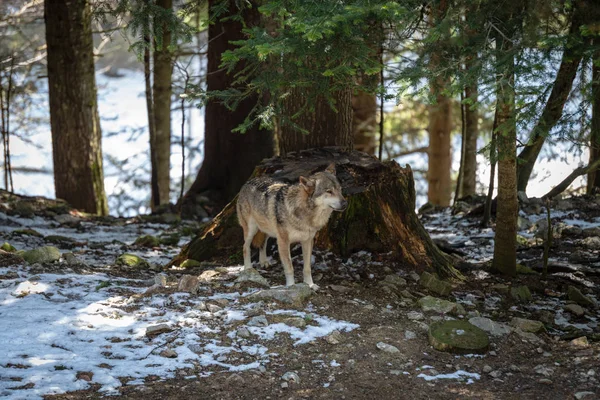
314, 287
264, 264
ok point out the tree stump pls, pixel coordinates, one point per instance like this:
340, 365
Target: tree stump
380, 216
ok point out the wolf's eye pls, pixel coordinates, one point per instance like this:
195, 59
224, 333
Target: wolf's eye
329, 191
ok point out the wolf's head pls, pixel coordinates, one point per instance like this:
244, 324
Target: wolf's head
325, 189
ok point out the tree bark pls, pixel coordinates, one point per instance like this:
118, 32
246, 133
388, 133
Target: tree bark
558, 97
469, 158
160, 142
440, 126
505, 241
76, 134
229, 157
325, 126
380, 216
364, 121
593, 177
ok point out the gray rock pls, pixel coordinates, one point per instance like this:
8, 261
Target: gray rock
521, 294
575, 309
296, 322
208, 275
527, 325
491, 327
291, 377
213, 308
579, 256
395, 280
334, 337
593, 231
189, 283
580, 342
579, 298
414, 276
523, 224
572, 231
71, 259
243, 332
160, 280
168, 353
458, 336
132, 261
259, 320
66, 219
543, 370
295, 295
340, 288
528, 336
201, 305
221, 302
409, 335
487, 369
251, 278
155, 330
430, 282
388, 348
433, 304
585, 395
496, 374
45, 254
592, 242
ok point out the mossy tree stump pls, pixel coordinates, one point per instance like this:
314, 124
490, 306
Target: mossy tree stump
380, 216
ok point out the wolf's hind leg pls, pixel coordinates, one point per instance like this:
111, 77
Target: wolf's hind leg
250, 230
284, 253
262, 255
307, 246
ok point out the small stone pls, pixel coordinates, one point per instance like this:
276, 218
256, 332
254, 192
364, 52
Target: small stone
284, 385
189, 263
592, 243
340, 288
576, 296
407, 295
208, 275
430, 282
543, 370
152, 290
155, 330
521, 294
527, 325
388, 348
291, 377
500, 287
297, 294
259, 320
414, 276
545, 381
9, 248
147, 241
409, 335
188, 283
491, 327
84, 376
575, 309
201, 305
528, 336
221, 302
213, 308
457, 336
334, 337
415, 316
580, 342
236, 380
132, 261
296, 322
250, 277
243, 332
160, 280
395, 280
168, 353
492, 353
585, 395
45, 254
433, 304
487, 369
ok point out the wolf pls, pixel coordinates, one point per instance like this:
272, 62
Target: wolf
291, 213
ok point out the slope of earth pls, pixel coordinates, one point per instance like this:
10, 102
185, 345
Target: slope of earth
81, 324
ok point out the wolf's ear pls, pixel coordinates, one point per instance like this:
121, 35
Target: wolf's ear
307, 184
331, 168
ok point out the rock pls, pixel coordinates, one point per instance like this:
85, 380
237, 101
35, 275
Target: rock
243, 332
435, 285
575, 309
458, 337
27, 232
546, 316
520, 294
259, 320
221, 302
189, 263
334, 337
71, 259
66, 219
395, 280
155, 330
147, 241
208, 275
491, 327
585, 395
132, 261
591, 243
407, 295
500, 287
496, 374
9, 248
340, 288
523, 224
543, 370
578, 297
168, 353
213, 308
580, 342
235, 380
160, 280
7, 259
188, 283
45, 254
592, 231
414, 276
295, 295
153, 290
84, 376
296, 322
409, 335
201, 305
527, 325
291, 377
433, 304
251, 278
579, 256
487, 369
528, 336
388, 348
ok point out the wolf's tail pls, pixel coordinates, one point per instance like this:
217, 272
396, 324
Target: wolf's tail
259, 239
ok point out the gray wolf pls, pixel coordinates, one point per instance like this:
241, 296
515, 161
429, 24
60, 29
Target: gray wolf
292, 213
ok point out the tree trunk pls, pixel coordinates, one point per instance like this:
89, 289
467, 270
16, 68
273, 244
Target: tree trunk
440, 126
558, 97
364, 121
505, 241
325, 126
471, 133
76, 134
594, 177
380, 216
160, 145
229, 157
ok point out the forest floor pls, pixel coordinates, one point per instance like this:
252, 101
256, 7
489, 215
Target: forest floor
77, 325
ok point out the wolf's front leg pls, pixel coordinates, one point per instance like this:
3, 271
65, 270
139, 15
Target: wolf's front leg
284, 253
249, 232
307, 246
262, 254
